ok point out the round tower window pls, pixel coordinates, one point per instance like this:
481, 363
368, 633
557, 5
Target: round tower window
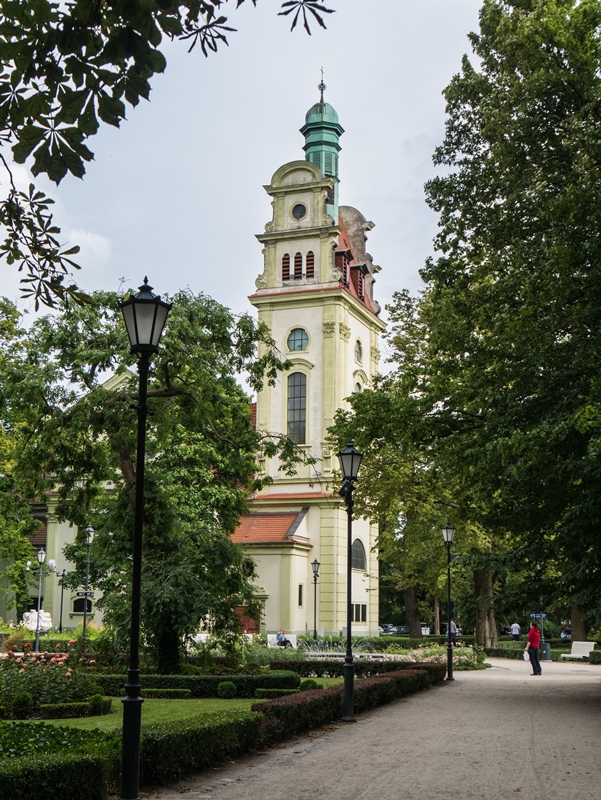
298, 339
299, 211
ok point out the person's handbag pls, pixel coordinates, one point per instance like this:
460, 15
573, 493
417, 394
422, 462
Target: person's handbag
526, 656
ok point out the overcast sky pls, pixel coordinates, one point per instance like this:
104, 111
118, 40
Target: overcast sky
176, 193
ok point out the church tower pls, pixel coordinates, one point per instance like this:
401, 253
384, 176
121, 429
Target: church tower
316, 295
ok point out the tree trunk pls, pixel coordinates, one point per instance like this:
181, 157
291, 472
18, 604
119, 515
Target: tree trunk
437, 616
412, 611
169, 652
577, 624
486, 626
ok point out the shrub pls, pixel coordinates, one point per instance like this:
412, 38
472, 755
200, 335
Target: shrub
226, 689
41, 761
300, 712
271, 693
595, 657
168, 694
96, 706
170, 750
202, 685
22, 704
309, 683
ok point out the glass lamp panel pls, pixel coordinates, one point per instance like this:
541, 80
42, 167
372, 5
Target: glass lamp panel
448, 533
130, 322
145, 314
350, 461
315, 566
161, 318
41, 556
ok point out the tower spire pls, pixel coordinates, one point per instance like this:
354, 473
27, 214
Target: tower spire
322, 87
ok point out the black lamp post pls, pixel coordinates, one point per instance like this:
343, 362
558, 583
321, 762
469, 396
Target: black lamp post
448, 533
145, 315
61, 576
315, 567
41, 559
350, 461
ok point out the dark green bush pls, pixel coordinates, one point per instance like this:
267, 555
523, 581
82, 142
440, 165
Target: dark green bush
309, 683
22, 705
3, 712
171, 750
167, 694
202, 685
595, 657
300, 712
271, 693
94, 707
226, 690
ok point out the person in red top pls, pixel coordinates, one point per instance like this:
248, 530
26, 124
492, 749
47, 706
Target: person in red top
532, 647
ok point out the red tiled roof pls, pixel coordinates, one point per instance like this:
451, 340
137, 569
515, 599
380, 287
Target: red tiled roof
268, 528
253, 415
294, 496
38, 539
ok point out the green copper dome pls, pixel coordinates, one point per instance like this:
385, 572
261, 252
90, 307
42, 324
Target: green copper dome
321, 112
322, 132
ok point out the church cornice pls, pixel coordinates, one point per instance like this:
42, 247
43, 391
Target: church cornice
296, 233
314, 296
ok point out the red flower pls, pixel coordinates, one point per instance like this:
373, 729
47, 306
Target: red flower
27, 644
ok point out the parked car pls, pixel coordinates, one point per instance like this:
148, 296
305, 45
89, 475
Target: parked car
402, 630
386, 627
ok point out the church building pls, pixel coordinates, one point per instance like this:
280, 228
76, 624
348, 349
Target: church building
316, 295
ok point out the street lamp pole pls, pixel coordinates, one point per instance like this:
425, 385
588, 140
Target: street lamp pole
41, 559
350, 461
448, 533
315, 567
60, 624
89, 530
145, 315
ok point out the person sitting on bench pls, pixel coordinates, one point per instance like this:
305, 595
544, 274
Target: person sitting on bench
282, 640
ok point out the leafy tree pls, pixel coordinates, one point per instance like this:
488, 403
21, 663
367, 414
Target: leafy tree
64, 69
512, 307
78, 438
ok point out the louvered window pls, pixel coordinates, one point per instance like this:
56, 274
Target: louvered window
310, 270
298, 266
285, 267
329, 164
361, 286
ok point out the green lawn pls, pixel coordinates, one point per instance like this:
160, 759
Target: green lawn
154, 711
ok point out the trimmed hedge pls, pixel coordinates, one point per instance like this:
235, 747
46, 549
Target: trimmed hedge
96, 706
335, 669
288, 716
271, 693
72, 776
202, 685
170, 750
167, 694
379, 644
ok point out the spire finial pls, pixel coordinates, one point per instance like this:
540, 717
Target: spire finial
321, 86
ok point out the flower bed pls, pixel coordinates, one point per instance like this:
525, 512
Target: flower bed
47, 680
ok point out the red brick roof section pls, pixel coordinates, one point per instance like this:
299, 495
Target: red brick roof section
344, 243
253, 415
40, 536
267, 528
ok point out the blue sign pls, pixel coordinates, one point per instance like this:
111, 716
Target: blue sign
538, 616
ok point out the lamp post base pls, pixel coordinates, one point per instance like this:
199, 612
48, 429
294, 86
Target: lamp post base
348, 719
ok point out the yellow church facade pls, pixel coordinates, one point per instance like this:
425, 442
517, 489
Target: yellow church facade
316, 296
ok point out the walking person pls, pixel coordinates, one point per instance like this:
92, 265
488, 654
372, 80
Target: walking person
515, 632
532, 647
453, 633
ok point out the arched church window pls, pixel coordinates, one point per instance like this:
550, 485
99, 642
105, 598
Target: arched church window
298, 265
80, 604
358, 559
358, 387
310, 264
286, 267
358, 351
298, 339
297, 407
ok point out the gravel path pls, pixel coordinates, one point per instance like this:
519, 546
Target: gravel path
491, 735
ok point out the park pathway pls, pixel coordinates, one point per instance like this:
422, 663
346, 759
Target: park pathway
494, 734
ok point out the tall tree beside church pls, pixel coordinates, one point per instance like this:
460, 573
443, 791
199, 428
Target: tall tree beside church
77, 437
513, 304
65, 68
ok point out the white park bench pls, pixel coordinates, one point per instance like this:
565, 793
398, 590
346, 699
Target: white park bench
272, 640
580, 650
